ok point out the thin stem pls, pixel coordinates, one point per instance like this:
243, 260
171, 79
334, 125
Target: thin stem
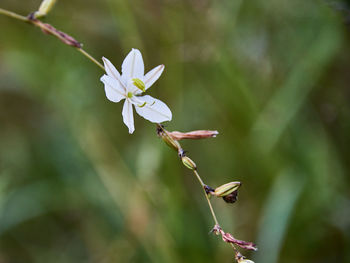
13, 15
165, 133
82, 51
206, 196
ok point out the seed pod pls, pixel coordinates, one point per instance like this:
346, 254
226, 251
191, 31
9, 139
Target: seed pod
188, 163
226, 189
45, 7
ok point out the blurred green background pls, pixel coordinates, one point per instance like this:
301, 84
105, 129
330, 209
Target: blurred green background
273, 78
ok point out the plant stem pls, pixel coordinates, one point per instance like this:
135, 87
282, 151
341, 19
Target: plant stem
72, 42
165, 132
82, 51
13, 15
53, 32
206, 196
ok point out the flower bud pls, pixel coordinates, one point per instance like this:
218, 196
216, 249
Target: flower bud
199, 134
226, 189
172, 143
45, 7
167, 139
188, 163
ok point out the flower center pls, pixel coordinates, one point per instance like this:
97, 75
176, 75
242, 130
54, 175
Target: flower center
129, 95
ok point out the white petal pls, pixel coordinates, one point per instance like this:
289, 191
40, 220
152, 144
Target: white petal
128, 116
113, 72
153, 75
114, 91
155, 110
132, 66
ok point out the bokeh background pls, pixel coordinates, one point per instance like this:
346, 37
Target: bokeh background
272, 76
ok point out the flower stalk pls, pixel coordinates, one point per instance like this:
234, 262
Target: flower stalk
227, 191
142, 82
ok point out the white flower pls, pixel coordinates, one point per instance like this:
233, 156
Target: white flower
130, 85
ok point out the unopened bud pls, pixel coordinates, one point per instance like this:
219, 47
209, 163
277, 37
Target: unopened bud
188, 163
172, 143
45, 7
199, 134
226, 189
139, 84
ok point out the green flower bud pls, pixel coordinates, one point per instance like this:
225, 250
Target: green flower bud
172, 143
139, 84
188, 163
167, 139
227, 189
44, 8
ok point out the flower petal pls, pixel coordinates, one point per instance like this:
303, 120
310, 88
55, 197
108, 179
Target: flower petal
153, 75
114, 91
113, 72
132, 66
154, 110
128, 116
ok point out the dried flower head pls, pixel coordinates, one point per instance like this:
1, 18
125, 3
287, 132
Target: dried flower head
195, 135
228, 238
